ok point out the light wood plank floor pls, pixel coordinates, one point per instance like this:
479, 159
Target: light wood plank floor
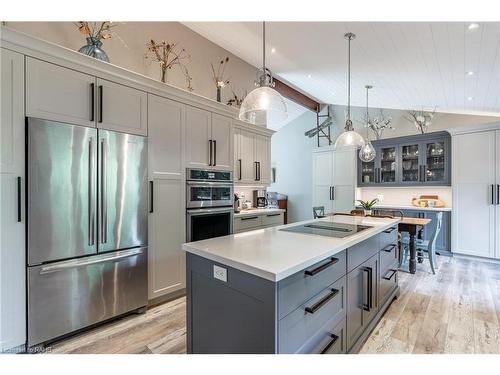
455, 311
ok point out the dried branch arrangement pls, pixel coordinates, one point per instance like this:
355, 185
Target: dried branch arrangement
96, 30
379, 123
218, 77
169, 55
422, 120
235, 100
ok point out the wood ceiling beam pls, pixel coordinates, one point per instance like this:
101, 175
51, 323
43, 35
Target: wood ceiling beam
296, 96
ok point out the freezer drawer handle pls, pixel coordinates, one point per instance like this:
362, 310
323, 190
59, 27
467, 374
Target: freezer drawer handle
89, 261
389, 248
318, 305
324, 266
330, 343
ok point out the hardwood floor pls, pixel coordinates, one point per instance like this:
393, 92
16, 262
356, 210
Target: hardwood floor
455, 311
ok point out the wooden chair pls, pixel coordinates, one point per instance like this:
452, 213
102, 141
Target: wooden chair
318, 212
425, 248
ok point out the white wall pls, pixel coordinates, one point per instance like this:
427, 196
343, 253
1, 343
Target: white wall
292, 158
130, 50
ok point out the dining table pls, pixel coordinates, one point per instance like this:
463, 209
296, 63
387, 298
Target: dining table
412, 225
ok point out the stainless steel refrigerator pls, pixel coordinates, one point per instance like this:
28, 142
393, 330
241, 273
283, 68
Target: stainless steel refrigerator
87, 227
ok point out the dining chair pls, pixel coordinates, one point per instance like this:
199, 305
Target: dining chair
318, 212
425, 248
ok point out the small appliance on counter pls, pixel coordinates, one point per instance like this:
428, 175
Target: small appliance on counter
238, 202
278, 200
259, 198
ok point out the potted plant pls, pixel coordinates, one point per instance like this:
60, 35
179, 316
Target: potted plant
367, 205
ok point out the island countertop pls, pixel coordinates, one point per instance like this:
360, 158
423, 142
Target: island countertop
274, 254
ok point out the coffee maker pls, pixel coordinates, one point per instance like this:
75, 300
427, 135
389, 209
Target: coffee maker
259, 198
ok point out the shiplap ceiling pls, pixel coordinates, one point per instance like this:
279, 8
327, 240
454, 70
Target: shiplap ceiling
411, 65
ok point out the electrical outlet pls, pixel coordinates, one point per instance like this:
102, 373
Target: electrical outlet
220, 273
380, 197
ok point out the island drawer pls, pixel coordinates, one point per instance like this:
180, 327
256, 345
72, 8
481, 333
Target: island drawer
247, 223
388, 281
388, 255
330, 340
362, 252
389, 236
272, 218
301, 286
297, 329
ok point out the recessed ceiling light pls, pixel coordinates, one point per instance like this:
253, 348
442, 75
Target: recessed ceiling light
309, 76
470, 73
273, 50
473, 26
469, 98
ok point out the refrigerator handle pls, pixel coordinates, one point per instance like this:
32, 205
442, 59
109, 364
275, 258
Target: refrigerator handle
151, 196
104, 213
91, 194
19, 199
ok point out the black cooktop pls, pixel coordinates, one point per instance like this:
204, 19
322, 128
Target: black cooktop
327, 229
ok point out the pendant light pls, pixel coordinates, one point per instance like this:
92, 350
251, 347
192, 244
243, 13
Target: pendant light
264, 105
367, 152
349, 138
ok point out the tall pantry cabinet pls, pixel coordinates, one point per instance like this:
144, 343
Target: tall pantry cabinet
12, 202
476, 194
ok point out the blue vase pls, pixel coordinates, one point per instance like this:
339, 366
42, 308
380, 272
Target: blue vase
93, 49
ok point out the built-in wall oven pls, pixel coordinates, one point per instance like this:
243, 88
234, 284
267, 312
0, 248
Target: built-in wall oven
209, 204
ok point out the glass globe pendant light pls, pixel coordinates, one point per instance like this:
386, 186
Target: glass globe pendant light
367, 152
264, 105
349, 138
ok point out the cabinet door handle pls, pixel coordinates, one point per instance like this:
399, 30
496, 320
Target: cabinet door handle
333, 193
215, 152
389, 230
100, 102
92, 101
249, 218
389, 248
239, 175
271, 215
18, 199
493, 194
210, 152
324, 266
369, 290
256, 177
392, 272
151, 197
258, 169
498, 194
330, 343
318, 305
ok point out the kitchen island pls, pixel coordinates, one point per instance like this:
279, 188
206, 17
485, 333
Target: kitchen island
277, 291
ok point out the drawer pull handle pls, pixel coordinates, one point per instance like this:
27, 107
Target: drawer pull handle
318, 305
393, 272
313, 272
330, 343
249, 218
390, 230
271, 215
389, 248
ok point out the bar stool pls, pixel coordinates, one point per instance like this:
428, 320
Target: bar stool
318, 212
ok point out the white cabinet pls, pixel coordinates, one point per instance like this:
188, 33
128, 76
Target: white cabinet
476, 177
65, 95
59, 94
166, 119
258, 220
12, 218
334, 176
121, 108
208, 140
252, 157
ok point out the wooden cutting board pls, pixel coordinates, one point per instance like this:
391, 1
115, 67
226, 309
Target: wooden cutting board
424, 200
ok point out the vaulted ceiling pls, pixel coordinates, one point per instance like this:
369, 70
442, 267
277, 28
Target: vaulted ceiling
422, 65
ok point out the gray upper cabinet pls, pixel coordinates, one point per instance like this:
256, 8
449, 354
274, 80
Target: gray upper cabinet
423, 159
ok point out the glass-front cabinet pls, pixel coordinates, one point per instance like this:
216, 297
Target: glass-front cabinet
422, 159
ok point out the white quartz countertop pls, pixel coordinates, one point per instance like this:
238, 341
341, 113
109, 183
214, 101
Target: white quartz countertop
410, 207
274, 254
258, 211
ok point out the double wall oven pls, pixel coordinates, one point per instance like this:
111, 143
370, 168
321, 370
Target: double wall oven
209, 204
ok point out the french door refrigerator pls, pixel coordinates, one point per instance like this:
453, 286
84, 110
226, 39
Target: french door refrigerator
87, 227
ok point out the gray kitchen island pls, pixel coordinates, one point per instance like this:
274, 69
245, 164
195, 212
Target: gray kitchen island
318, 286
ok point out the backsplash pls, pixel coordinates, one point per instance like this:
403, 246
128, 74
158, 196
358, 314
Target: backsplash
403, 196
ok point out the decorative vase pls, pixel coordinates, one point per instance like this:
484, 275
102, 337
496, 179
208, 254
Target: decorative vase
368, 212
218, 94
93, 49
